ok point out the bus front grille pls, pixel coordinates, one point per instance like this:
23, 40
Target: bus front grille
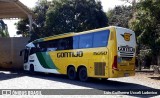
99, 68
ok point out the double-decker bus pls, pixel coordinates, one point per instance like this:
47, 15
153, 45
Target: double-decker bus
104, 53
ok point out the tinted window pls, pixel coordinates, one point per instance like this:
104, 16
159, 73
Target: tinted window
97, 39
75, 42
34, 50
100, 38
85, 41
47, 45
62, 44
52, 44
65, 43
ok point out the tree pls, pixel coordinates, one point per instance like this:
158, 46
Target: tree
22, 27
74, 16
63, 16
146, 24
38, 26
3, 29
120, 16
130, 1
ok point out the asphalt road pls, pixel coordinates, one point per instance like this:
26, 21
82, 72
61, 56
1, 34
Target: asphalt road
21, 80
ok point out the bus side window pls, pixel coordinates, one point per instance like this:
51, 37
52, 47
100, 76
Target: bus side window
34, 50
69, 43
75, 42
85, 41
61, 44
48, 46
65, 43
101, 38
52, 45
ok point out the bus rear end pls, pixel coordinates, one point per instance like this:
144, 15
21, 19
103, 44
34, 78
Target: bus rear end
124, 61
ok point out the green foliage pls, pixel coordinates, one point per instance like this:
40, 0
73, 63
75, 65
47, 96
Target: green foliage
144, 53
38, 26
23, 28
3, 29
74, 16
120, 16
40, 10
146, 24
63, 16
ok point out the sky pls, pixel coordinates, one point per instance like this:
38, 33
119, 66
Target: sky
107, 4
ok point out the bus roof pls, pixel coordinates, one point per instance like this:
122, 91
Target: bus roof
70, 34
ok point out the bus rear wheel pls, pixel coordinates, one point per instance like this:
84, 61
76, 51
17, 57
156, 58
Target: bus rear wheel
71, 73
82, 73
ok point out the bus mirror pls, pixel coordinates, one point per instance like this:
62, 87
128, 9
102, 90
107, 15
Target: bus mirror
21, 52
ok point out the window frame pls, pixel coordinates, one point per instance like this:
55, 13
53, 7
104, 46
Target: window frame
47, 44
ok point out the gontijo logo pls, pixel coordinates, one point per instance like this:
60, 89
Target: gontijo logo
126, 36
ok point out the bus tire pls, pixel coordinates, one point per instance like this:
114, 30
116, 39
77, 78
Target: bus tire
104, 79
31, 70
82, 74
71, 73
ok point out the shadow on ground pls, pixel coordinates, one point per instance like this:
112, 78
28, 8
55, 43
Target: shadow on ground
93, 83
97, 84
10, 74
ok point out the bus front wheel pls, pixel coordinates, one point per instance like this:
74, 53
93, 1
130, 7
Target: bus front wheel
71, 73
82, 73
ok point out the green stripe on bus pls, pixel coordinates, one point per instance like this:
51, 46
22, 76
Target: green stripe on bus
45, 60
42, 60
48, 60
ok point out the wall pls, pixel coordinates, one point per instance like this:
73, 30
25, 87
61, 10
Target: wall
9, 52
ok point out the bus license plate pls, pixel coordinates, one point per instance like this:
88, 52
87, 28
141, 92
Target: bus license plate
126, 74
